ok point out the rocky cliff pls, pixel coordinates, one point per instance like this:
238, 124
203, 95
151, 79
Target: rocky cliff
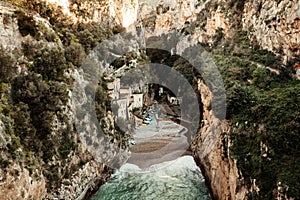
43, 44
274, 25
41, 154
270, 25
220, 170
123, 12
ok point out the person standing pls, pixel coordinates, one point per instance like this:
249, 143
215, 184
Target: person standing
156, 114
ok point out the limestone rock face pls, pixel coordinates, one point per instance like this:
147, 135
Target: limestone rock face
19, 180
275, 25
124, 11
10, 37
220, 170
169, 14
21, 185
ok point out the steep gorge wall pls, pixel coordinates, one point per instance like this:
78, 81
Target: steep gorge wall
26, 173
273, 24
272, 27
123, 12
220, 169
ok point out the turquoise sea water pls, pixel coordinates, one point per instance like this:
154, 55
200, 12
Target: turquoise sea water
176, 180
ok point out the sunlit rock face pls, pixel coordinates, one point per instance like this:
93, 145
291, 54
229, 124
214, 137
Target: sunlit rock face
25, 187
170, 14
124, 11
222, 174
10, 37
217, 20
127, 12
275, 25
64, 4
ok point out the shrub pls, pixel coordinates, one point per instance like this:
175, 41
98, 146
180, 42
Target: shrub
264, 110
7, 65
13, 146
20, 3
75, 54
50, 63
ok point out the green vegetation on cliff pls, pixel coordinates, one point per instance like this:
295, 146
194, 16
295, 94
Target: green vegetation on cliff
263, 100
35, 85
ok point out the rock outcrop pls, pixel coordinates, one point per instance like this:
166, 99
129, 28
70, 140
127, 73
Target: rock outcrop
274, 25
23, 175
17, 183
220, 170
10, 36
123, 12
